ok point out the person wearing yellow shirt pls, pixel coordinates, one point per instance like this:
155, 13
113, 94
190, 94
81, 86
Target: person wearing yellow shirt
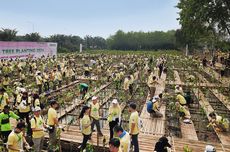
124, 139
53, 79
39, 82
136, 75
85, 125
133, 126
220, 123
155, 112
181, 99
52, 122
87, 70
37, 125
6, 81
66, 74
94, 114
114, 145
131, 81
126, 84
183, 111
72, 74
58, 77
152, 82
22, 77
16, 139
24, 103
46, 80
4, 98
36, 101
114, 116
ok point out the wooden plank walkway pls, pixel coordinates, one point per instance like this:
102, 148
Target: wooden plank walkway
74, 135
224, 137
188, 131
196, 146
219, 95
78, 102
225, 100
210, 71
197, 85
155, 126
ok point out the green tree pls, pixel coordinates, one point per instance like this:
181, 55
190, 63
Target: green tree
8, 34
204, 21
34, 37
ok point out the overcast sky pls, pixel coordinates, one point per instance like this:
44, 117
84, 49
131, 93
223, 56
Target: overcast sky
88, 17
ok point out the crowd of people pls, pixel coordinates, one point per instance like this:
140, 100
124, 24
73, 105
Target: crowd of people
27, 80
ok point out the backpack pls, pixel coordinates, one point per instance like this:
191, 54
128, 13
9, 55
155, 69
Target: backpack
149, 106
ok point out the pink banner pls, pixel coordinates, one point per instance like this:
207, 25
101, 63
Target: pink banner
20, 50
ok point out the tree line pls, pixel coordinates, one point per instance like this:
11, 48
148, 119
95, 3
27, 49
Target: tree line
119, 41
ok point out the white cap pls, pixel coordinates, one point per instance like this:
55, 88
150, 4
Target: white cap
154, 100
210, 148
94, 98
115, 101
37, 108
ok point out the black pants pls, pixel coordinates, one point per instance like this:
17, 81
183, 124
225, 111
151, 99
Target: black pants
131, 89
25, 115
47, 86
85, 140
39, 88
59, 84
73, 78
135, 142
96, 122
112, 124
5, 135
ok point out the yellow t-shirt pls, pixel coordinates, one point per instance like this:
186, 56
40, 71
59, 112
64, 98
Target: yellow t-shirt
38, 80
22, 76
132, 79
124, 143
94, 112
52, 114
155, 106
185, 111
58, 76
3, 100
16, 141
126, 84
85, 121
136, 74
181, 99
114, 112
6, 81
134, 119
38, 124
46, 77
151, 82
218, 119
